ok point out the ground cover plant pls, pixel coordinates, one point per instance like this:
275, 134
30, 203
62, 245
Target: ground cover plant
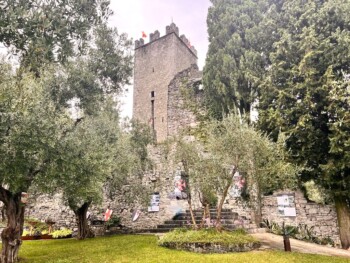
206, 236
137, 248
209, 241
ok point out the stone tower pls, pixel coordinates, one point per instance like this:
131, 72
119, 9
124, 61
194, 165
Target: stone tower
156, 64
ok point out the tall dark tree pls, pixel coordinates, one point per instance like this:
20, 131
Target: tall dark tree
301, 81
237, 56
304, 94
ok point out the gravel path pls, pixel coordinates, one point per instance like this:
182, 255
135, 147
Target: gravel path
270, 241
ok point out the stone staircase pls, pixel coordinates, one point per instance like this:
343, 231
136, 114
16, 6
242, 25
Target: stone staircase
230, 221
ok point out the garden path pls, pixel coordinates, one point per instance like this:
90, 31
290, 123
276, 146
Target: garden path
270, 241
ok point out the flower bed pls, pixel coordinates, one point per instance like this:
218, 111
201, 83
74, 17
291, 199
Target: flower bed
209, 241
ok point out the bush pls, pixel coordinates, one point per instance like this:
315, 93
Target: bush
25, 233
209, 241
62, 233
210, 235
113, 221
39, 226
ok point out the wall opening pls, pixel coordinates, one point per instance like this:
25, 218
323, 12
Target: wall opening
152, 110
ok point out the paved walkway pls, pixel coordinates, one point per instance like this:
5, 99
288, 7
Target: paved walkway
271, 241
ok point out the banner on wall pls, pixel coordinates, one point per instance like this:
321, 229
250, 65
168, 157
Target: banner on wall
154, 204
180, 186
286, 205
238, 185
24, 197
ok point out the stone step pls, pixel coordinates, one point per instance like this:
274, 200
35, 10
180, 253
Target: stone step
212, 213
185, 222
173, 226
211, 210
188, 217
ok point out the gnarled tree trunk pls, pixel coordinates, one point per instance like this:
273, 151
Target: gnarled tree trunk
11, 235
343, 213
189, 201
84, 230
218, 224
224, 195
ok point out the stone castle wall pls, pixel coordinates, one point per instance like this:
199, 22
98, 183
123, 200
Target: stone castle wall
323, 218
179, 116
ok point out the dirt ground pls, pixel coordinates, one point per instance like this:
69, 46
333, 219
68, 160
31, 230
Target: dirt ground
271, 241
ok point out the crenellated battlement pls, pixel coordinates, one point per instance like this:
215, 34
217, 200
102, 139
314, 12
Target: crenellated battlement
172, 28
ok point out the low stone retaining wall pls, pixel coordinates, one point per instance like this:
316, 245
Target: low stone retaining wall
212, 247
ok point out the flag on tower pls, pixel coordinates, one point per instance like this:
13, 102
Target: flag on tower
144, 34
189, 44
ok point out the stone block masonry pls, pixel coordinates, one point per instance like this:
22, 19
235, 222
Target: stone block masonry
156, 64
322, 217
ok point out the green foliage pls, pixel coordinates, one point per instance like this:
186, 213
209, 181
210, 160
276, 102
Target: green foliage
49, 30
206, 236
113, 221
292, 57
233, 143
104, 70
231, 146
236, 55
316, 193
30, 129
299, 76
38, 225
25, 233
62, 233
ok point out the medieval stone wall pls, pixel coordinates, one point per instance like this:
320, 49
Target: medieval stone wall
323, 218
160, 180
179, 116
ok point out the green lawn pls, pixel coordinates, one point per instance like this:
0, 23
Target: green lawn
137, 248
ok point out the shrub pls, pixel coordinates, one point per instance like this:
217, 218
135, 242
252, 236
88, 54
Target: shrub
39, 226
113, 221
210, 235
25, 233
62, 233
209, 241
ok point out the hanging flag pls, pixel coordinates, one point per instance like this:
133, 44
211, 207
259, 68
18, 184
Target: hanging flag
24, 198
108, 214
189, 44
144, 34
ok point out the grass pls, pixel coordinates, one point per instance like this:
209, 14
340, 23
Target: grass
207, 236
137, 248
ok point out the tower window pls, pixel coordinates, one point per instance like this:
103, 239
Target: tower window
152, 94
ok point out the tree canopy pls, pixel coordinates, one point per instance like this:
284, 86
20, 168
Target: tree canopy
41, 144
49, 30
297, 57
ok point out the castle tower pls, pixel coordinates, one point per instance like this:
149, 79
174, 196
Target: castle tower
156, 64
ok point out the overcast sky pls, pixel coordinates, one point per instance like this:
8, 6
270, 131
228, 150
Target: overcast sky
135, 16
